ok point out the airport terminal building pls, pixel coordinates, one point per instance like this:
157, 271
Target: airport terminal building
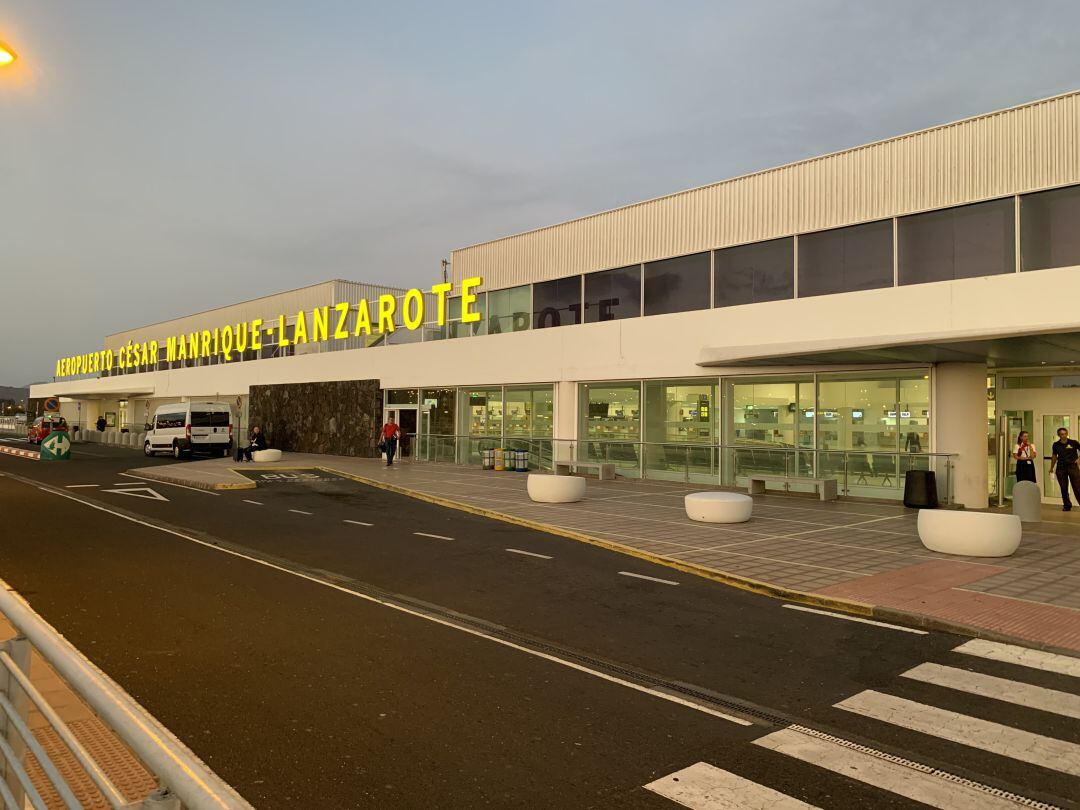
908, 304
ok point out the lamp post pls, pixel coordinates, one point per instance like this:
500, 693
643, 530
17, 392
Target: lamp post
7, 56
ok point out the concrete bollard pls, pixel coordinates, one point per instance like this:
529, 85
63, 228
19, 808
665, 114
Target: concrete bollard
1027, 502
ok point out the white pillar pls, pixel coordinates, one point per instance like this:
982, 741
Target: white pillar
566, 417
959, 418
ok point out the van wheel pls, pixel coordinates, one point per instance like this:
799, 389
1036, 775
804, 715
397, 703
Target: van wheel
176, 453
146, 449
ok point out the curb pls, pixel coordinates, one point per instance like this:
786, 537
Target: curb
211, 486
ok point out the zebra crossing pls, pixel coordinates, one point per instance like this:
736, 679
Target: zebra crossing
1008, 687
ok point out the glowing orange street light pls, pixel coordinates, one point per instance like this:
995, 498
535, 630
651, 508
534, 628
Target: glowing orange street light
7, 56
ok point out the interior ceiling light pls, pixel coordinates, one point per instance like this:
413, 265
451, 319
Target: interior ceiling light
7, 56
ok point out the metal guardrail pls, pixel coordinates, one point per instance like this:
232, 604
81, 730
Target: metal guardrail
185, 782
874, 470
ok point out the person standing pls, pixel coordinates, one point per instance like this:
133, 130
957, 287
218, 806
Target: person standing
1025, 453
390, 434
101, 424
1063, 462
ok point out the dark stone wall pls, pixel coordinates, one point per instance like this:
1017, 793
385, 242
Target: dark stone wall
340, 418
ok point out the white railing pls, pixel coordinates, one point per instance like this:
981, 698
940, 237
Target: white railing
184, 781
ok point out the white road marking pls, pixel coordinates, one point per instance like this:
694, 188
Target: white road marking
859, 619
892, 776
436, 536
1025, 657
139, 492
976, 683
255, 503
651, 579
301, 512
359, 523
529, 553
171, 484
80, 486
705, 787
408, 611
975, 732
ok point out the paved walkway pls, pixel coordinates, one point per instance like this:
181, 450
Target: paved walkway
865, 553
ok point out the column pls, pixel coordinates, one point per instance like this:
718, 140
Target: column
958, 415
566, 418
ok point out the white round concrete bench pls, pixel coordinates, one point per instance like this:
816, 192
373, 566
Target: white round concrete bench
718, 507
273, 454
545, 488
971, 534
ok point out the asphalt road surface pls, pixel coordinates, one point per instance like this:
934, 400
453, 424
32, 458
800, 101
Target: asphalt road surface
325, 644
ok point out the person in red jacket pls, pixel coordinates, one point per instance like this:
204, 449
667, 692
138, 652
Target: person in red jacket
389, 436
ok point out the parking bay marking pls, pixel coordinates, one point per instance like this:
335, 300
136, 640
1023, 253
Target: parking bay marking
408, 611
80, 486
359, 523
301, 512
254, 503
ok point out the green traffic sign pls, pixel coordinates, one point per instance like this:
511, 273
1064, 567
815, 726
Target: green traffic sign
56, 447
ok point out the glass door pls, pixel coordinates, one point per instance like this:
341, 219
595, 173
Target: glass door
1050, 425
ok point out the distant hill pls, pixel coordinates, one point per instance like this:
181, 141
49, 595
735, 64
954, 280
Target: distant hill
17, 394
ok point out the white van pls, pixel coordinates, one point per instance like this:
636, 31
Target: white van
184, 428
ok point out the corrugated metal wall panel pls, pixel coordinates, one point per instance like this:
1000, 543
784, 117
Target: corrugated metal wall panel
1013, 151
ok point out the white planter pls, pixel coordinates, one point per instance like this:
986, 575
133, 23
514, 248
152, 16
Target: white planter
544, 488
971, 534
266, 455
718, 507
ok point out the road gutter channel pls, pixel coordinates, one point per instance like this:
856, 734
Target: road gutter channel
700, 699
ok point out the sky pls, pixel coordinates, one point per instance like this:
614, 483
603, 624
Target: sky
162, 158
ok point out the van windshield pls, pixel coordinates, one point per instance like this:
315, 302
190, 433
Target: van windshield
210, 418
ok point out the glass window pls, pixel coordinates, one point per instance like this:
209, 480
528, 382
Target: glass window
612, 295
1050, 229
677, 285
438, 429
529, 410
680, 430
749, 274
770, 419
611, 425
455, 327
402, 396
483, 411
846, 259
557, 303
964, 242
509, 310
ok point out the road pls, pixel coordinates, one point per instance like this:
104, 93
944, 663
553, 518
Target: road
325, 644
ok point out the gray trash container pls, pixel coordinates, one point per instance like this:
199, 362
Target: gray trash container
1027, 502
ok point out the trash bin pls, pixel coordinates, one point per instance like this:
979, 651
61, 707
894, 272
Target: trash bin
487, 459
522, 461
920, 489
500, 459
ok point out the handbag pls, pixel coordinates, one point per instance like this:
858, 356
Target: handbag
382, 447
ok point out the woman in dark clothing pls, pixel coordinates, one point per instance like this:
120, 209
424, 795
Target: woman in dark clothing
1024, 453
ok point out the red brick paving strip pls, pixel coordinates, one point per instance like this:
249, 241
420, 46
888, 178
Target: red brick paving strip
934, 589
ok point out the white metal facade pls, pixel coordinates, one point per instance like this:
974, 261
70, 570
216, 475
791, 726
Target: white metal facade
1018, 150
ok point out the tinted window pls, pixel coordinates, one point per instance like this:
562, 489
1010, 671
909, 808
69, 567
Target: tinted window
749, 274
677, 285
973, 240
170, 420
846, 259
557, 303
209, 419
509, 310
1050, 229
613, 294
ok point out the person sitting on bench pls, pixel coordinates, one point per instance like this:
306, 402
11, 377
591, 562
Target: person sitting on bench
257, 441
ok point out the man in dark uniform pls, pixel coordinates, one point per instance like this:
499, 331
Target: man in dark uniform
1064, 457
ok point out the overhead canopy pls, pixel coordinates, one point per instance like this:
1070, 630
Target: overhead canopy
1021, 351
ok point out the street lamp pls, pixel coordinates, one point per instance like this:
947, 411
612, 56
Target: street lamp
7, 56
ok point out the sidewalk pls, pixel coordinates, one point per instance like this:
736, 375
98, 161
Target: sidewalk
864, 557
